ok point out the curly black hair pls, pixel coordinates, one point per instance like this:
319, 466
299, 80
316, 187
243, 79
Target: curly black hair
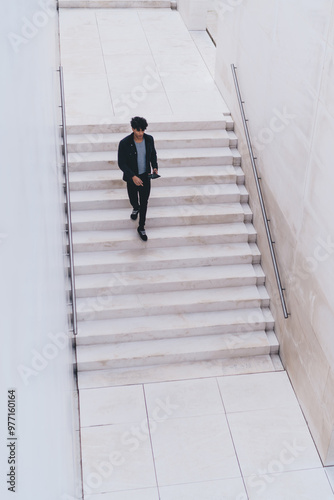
139, 123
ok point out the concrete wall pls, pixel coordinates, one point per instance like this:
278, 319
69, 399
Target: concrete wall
193, 13
284, 52
36, 350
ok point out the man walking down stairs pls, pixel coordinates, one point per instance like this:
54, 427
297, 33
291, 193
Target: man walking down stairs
136, 157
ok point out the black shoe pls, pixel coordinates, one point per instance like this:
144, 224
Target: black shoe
134, 214
142, 234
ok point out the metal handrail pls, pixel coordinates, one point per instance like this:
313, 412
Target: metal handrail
68, 203
259, 191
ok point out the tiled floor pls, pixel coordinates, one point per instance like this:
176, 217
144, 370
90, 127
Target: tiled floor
226, 438
135, 61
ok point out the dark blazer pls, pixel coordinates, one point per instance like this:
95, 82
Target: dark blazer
127, 156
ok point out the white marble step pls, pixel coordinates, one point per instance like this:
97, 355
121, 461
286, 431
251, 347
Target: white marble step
172, 176
163, 140
115, 4
165, 196
186, 349
169, 123
146, 258
104, 160
179, 371
176, 302
201, 234
174, 325
167, 280
90, 220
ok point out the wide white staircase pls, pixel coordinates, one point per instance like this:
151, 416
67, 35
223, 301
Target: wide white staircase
196, 290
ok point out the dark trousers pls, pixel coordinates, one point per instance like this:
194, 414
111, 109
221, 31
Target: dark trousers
138, 196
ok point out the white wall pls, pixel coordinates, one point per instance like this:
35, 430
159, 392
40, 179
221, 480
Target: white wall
284, 52
193, 13
32, 297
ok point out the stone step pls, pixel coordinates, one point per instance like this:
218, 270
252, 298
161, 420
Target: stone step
146, 258
179, 350
115, 4
112, 179
91, 220
172, 123
161, 196
105, 160
201, 234
176, 302
163, 140
179, 371
174, 325
161, 280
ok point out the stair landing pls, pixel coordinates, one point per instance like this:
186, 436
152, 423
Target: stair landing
169, 78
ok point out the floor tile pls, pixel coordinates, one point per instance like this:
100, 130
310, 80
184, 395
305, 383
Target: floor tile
226, 489
117, 16
89, 100
145, 494
330, 474
189, 398
84, 62
128, 104
115, 64
117, 457
188, 102
186, 62
265, 439
193, 449
80, 44
206, 47
186, 81
258, 391
297, 485
78, 23
163, 45
112, 45
138, 85
176, 58
112, 405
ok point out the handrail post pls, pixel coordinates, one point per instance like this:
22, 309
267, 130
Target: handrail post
259, 191
68, 203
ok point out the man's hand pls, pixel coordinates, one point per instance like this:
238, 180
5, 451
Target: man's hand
155, 170
137, 180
